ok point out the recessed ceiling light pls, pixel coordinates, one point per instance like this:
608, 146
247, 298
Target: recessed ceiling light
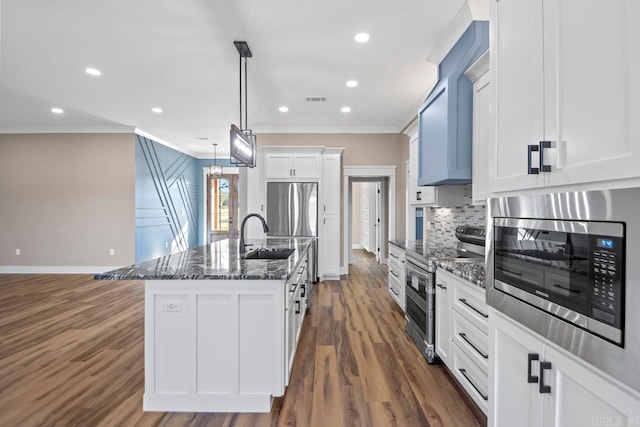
157, 110
93, 71
352, 83
283, 109
362, 37
345, 109
56, 110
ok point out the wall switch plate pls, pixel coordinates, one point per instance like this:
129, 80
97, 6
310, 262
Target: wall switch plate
166, 244
173, 306
17, 251
112, 251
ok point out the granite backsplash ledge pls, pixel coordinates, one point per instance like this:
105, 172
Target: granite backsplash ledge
442, 221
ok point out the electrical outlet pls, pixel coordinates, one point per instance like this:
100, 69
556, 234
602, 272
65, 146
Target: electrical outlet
173, 306
112, 251
166, 244
17, 251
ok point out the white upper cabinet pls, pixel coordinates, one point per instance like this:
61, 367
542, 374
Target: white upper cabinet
563, 72
292, 166
331, 184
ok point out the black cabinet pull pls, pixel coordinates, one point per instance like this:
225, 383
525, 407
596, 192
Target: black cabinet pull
464, 301
543, 145
543, 367
464, 337
394, 274
304, 291
531, 149
464, 373
531, 357
297, 307
394, 292
441, 286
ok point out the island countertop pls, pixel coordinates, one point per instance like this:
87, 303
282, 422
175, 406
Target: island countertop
217, 261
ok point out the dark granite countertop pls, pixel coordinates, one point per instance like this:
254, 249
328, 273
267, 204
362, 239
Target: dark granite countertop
447, 258
471, 270
219, 261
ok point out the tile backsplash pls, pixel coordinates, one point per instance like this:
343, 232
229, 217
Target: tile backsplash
442, 221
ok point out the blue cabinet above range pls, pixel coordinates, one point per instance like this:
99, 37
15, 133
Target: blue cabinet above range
445, 118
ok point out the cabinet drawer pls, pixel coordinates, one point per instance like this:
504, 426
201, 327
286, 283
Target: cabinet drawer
396, 254
470, 340
471, 377
396, 270
396, 289
469, 302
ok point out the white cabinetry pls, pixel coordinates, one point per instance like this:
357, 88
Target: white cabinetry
483, 127
548, 86
396, 274
286, 165
534, 383
329, 243
461, 334
296, 308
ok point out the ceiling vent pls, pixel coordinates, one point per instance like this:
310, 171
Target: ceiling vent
316, 99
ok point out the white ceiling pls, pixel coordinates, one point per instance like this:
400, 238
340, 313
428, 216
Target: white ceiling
179, 55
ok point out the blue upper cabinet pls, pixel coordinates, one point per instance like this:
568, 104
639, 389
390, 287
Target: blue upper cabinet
445, 118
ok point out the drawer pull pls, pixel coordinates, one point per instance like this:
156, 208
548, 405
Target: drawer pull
441, 286
297, 307
530, 358
393, 256
464, 301
304, 291
468, 341
464, 374
394, 274
394, 292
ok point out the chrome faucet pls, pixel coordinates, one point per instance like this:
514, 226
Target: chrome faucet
265, 228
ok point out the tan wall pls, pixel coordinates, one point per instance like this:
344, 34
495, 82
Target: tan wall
66, 199
360, 150
356, 212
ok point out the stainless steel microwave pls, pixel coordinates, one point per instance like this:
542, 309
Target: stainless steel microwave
562, 265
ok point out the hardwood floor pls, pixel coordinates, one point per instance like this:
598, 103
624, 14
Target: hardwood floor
71, 354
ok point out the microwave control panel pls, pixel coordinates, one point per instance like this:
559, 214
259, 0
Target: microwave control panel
607, 278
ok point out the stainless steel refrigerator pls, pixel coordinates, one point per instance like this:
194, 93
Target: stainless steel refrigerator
292, 211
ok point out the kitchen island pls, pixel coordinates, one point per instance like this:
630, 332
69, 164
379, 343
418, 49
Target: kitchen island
221, 330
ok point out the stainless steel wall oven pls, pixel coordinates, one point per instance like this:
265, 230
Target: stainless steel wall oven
419, 306
566, 266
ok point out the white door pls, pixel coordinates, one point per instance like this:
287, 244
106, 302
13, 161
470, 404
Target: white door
483, 130
517, 68
364, 208
330, 181
592, 106
331, 246
513, 400
378, 221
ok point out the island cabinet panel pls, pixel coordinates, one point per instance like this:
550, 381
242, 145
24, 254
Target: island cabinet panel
214, 345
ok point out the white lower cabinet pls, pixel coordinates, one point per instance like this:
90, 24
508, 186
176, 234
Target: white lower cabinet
534, 383
461, 334
396, 274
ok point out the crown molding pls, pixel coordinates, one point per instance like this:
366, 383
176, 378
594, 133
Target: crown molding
168, 144
67, 129
346, 129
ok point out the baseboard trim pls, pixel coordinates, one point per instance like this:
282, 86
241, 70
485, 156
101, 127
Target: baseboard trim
63, 269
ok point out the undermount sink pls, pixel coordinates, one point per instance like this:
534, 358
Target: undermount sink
265, 253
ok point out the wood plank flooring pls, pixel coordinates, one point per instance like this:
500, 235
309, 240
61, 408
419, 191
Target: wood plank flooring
71, 354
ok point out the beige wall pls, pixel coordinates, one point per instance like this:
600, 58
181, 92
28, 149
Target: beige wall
360, 150
66, 199
356, 212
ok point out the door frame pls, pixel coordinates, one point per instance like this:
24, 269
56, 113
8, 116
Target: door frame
205, 198
349, 173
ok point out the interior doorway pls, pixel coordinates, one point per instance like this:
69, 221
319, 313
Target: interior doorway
222, 207
369, 215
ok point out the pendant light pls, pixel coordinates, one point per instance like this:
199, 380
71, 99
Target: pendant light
215, 170
242, 139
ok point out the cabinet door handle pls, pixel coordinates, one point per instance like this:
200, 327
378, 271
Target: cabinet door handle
530, 358
297, 307
531, 149
543, 145
394, 274
290, 172
543, 367
441, 286
304, 291
464, 301
464, 374
393, 256
464, 337
294, 172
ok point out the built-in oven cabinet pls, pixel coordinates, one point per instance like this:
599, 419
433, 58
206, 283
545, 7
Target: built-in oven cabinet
551, 130
396, 274
461, 334
533, 382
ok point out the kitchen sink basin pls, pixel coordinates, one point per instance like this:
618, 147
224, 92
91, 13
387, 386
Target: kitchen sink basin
265, 253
